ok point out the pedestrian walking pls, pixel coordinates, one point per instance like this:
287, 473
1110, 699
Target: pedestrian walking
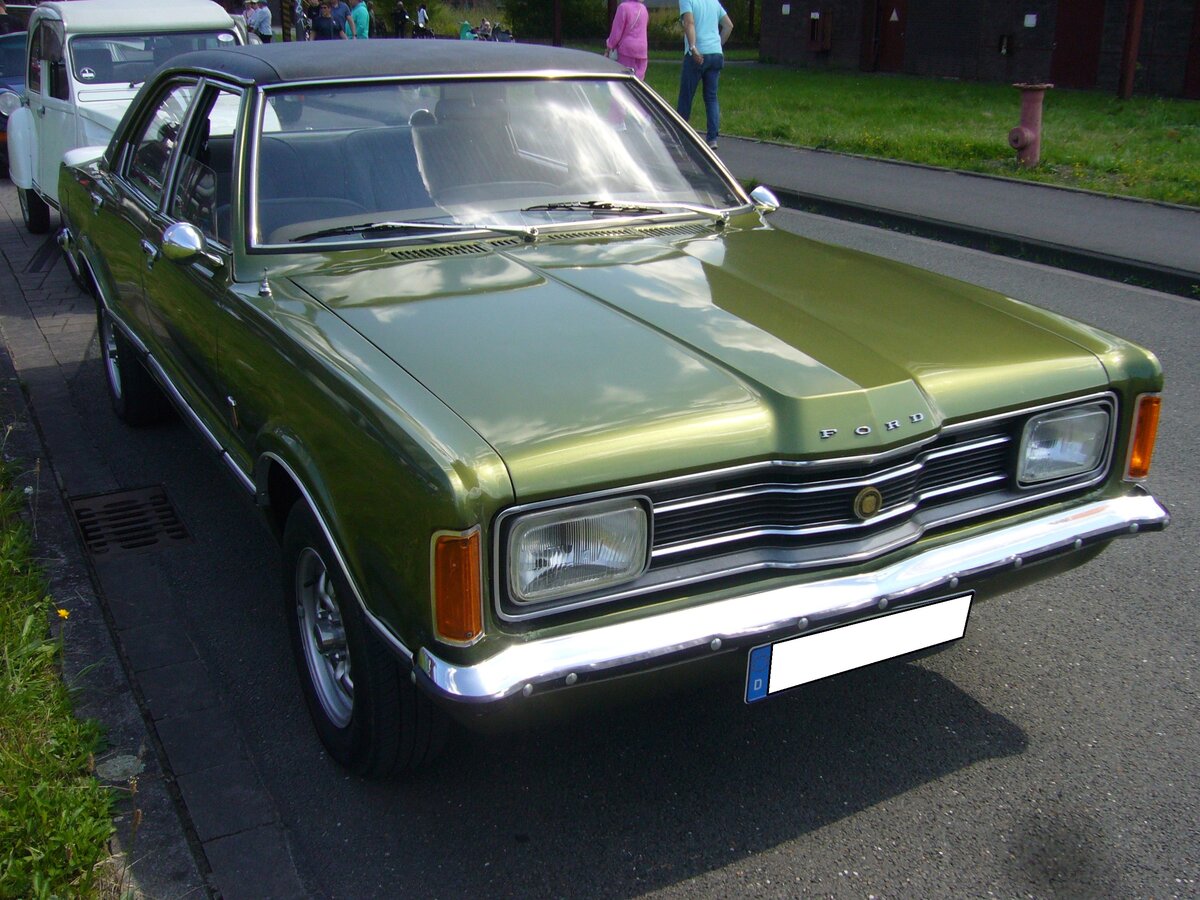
260, 22
422, 29
323, 26
358, 24
706, 28
400, 15
627, 39
339, 11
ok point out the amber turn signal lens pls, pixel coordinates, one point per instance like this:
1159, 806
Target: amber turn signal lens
457, 591
1145, 430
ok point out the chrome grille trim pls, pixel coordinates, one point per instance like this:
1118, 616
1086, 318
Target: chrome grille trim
982, 471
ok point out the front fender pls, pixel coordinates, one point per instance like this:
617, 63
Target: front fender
22, 147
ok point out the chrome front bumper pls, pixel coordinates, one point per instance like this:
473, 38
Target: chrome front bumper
747, 620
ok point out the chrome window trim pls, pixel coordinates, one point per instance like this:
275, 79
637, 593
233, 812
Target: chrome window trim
907, 537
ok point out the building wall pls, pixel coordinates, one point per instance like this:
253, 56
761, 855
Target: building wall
985, 40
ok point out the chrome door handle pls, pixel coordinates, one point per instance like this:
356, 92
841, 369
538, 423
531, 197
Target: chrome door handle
97, 201
41, 110
151, 253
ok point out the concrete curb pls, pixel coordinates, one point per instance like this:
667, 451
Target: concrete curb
1114, 268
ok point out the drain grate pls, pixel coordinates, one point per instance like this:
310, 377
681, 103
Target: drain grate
127, 521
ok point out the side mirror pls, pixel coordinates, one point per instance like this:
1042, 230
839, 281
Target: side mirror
182, 241
764, 199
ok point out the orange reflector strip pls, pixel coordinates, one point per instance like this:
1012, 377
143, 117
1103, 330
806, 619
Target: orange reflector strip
457, 589
1145, 430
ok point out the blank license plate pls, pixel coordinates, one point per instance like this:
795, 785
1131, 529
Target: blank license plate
799, 660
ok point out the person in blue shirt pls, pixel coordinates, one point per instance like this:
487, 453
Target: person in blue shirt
706, 28
339, 12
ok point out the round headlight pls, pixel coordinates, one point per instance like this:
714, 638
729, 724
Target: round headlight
10, 101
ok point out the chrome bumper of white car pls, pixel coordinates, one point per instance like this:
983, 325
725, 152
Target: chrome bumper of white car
746, 620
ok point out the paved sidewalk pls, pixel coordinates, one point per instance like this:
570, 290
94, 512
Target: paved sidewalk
1154, 244
200, 823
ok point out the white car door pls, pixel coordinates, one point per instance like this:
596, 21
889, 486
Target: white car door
48, 87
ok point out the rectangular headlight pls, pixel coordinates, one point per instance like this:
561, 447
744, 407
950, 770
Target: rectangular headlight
1062, 443
574, 549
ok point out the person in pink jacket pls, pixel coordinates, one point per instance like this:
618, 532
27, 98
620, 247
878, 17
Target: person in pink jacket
628, 36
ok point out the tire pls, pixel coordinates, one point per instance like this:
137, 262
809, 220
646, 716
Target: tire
34, 211
135, 397
367, 712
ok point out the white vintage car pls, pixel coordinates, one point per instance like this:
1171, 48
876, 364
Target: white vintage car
86, 61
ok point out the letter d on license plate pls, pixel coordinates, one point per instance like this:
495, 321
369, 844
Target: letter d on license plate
790, 663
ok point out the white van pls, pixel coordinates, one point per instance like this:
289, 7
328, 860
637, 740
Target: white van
85, 63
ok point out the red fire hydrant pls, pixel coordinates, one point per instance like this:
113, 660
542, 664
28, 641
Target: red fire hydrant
1026, 138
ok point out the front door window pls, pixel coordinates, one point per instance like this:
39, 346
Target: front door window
152, 149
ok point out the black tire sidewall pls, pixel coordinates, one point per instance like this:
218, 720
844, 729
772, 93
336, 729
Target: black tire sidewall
368, 739
140, 401
35, 211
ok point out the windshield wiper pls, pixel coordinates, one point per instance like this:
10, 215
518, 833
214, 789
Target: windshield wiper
365, 228
607, 207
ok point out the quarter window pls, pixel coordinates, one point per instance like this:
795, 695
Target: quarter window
153, 148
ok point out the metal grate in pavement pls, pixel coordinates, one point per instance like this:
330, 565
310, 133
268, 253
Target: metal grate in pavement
127, 521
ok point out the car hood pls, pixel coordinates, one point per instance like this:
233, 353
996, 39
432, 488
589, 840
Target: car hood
587, 362
101, 112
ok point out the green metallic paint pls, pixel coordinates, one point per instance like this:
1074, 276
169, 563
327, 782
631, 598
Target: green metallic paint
590, 363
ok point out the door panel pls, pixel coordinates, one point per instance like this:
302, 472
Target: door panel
51, 104
186, 299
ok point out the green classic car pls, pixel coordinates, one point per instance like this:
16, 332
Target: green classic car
543, 409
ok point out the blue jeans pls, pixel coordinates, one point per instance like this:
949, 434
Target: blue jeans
708, 72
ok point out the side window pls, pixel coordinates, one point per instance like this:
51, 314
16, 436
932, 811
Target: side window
203, 191
33, 77
54, 63
152, 148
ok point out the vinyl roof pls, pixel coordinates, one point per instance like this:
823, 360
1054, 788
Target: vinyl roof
322, 60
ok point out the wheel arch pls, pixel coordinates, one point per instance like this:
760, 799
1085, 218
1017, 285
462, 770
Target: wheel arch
278, 487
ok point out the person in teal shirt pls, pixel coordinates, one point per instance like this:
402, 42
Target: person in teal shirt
706, 28
358, 23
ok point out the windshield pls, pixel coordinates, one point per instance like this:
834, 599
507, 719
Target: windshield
128, 58
337, 162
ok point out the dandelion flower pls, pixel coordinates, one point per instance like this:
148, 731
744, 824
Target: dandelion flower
64, 613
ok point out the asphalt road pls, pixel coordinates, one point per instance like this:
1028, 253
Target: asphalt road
1053, 752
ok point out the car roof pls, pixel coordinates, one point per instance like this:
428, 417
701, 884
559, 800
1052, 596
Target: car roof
135, 16
337, 60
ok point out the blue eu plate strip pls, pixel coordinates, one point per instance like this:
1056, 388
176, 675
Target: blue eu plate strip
758, 673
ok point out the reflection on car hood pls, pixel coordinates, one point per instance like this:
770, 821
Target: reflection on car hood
586, 362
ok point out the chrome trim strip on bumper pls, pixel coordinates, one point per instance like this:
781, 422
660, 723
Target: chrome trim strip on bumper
756, 618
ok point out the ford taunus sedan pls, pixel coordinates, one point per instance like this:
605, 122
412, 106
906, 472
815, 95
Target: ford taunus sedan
539, 404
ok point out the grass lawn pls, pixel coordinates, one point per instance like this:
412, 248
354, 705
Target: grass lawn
54, 815
1145, 147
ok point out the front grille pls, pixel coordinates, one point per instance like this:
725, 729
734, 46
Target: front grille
801, 504
757, 519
